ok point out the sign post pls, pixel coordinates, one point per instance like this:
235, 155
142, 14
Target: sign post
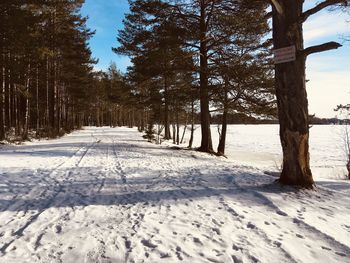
283, 55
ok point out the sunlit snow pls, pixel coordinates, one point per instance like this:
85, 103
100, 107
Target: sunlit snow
106, 195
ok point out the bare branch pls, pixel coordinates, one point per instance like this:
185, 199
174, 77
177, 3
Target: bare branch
320, 48
321, 6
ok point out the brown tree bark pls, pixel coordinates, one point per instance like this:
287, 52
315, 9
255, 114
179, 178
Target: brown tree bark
192, 124
288, 18
2, 103
37, 101
291, 95
27, 105
206, 143
167, 135
222, 142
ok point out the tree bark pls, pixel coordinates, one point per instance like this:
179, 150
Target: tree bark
291, 95
184, 131
27, 106
190, 143
177, 126
37, 101
206, 143
167, 135
47, 115
2, 101
222, 142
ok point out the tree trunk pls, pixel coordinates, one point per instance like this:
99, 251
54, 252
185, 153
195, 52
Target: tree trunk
47, 115
2, 103
37, 101
167, 135
27, 108
206, 143
17, 129
291, 96
190, 143
177, 127
184, 131
174, 131
222, 142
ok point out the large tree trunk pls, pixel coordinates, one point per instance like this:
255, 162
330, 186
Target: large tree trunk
206, 143
222, 141
291, 96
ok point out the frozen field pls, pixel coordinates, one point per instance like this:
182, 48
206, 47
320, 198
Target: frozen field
106, 195
259, 146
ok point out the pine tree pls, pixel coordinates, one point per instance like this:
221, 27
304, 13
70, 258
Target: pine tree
45, 65
287, 19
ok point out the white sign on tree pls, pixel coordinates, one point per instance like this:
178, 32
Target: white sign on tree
283, 55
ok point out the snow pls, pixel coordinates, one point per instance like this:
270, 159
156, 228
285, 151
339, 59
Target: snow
259, 146
106, 195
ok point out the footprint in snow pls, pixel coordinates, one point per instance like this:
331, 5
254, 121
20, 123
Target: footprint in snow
236, 259
127, 244
148, 243
215, 222
340, 254
164, 255
251, 226
178, 253
217, 231
197, 241
236, 248
57, 229
281, 213
277, 243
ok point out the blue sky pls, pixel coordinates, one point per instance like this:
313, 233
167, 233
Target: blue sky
328, 73
105, 16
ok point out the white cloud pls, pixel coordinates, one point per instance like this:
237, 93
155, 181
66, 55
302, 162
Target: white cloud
326, 90
326, 24
328, 72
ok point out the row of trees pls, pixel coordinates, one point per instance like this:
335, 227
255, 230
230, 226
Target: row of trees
46, 67
217, 52
184, 52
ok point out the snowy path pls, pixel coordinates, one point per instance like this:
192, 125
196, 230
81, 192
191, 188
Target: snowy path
105, 195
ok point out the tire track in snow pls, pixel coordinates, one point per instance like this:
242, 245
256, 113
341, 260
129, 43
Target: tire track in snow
17, 234
43, 178
93, 190
133, 215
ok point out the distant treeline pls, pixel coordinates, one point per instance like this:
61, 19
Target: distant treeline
240, 118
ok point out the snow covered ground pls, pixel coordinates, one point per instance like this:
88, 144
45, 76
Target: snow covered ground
106, 195
259, 146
